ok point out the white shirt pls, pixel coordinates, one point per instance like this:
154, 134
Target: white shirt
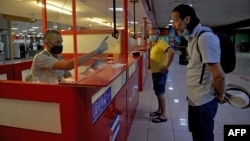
42, 67
199, 94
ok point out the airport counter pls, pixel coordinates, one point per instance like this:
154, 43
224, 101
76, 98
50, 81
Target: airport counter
98, 106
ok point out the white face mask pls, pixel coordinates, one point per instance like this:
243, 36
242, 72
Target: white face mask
152, 38
185, 33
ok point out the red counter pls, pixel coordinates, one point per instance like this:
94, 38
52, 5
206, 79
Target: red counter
8, 70
100, 107
14, 71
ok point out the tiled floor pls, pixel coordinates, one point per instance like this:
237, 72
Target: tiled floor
176, 128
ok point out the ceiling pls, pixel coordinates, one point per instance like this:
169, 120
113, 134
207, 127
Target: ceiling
211, 13
85, 9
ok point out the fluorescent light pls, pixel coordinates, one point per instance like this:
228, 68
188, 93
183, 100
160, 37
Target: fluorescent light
100, 21
55, 8
131, 22
116, 9
119, 27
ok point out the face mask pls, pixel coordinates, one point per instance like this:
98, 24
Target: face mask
152, 38
185, 34
56, 49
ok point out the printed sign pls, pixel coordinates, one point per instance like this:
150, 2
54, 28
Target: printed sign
101, 103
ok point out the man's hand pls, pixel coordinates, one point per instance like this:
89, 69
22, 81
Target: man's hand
221, 99
164, 69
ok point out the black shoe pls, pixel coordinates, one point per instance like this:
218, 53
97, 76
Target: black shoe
154, 114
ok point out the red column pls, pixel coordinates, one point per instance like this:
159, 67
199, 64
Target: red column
44, 16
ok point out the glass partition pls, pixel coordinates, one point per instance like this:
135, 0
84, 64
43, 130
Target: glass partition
59, 14
94, 20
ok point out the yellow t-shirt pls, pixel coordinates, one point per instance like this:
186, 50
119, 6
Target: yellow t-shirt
158, 55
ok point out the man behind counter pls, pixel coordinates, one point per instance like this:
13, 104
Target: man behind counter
50, 64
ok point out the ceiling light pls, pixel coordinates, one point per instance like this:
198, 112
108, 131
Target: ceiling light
116, 9
100, 21
131, 22
55, 8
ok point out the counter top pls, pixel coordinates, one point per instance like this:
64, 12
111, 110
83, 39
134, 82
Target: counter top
101, 76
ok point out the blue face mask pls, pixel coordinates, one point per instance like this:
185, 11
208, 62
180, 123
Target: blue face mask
152, 38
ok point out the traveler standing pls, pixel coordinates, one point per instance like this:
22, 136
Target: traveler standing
202, 98
161, 56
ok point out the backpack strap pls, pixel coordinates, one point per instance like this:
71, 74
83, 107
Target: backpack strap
204, 65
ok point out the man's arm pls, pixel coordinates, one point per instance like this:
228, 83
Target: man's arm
219, 80
170, 51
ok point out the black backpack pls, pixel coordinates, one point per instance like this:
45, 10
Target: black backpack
227, 58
